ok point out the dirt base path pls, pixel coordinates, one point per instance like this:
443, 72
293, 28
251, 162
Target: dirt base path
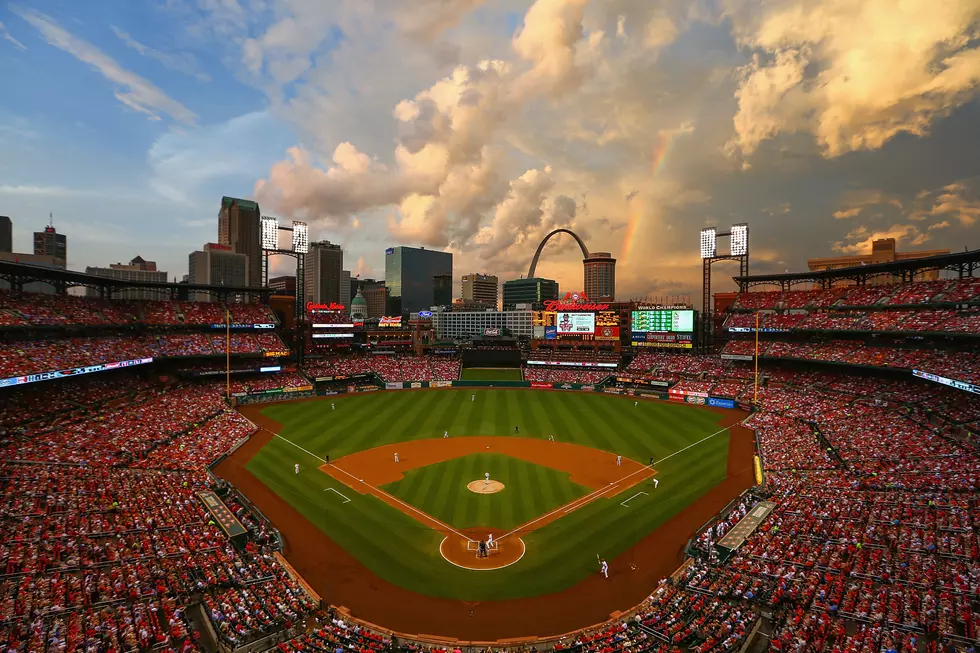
341, 580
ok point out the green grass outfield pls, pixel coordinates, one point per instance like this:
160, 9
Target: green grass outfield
491, 374
529, 491
559, 555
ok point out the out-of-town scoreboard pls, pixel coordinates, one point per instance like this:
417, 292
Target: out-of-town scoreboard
663, 326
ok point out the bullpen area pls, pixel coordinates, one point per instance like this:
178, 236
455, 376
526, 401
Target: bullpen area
552, 480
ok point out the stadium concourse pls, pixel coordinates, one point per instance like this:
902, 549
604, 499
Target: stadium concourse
872, 475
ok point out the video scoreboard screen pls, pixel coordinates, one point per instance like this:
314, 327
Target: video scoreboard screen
668, 328
576, 325
663, 321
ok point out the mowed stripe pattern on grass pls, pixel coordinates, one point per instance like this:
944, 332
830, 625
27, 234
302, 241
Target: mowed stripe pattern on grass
402, 551
529, 491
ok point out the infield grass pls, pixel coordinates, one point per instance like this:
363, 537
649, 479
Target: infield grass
560, 554
529, 491
491, 374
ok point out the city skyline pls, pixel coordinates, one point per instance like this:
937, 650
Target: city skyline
633, 123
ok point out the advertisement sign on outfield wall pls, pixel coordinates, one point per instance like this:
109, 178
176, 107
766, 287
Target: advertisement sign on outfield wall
691, 399
440, 384
721, 403
394, 386
541, 385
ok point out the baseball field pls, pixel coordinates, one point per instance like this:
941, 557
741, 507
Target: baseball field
561, 499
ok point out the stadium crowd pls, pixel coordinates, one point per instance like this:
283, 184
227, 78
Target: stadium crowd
106, 543
390, 368
19, 358
27, 309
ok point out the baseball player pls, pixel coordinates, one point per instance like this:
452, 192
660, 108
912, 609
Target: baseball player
486, 478
472, 397
445, 434
296, 467
619, 461
332, 406
490, 540
396, 458
604, 568
517, 429
635, 404
551, 438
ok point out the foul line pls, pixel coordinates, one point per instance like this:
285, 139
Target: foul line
696, 443
330, 489
378, 490
631, 498
573, 505
581, 501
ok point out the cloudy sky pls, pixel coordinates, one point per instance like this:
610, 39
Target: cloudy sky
477, 126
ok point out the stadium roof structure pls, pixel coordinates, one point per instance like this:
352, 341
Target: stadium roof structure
963, 263
18, 274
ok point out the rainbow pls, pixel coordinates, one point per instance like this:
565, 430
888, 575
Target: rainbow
657, 166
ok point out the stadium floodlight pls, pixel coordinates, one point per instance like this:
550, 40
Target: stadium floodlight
740, 239
270, 232
709, 247
301, 238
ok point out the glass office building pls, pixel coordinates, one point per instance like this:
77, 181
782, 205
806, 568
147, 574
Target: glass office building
529, 291
410, 276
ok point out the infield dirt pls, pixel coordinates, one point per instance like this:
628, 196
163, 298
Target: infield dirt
343, 581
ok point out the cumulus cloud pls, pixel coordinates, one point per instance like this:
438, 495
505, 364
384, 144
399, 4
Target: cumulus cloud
859, 240
132, 90
819, 68
549, 40
959, 201
588, 89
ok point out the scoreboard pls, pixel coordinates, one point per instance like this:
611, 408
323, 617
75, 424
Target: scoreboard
576, 325
662, 327
663, 321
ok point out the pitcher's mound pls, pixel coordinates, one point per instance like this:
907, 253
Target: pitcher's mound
482, 487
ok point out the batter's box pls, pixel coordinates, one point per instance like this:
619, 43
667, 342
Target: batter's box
475, 546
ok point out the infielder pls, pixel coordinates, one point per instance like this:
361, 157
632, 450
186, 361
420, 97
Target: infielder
604, 568
396, 458
445, 434
619, 461
296, 467
486, 478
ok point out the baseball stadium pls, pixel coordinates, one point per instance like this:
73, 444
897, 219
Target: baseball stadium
794, 468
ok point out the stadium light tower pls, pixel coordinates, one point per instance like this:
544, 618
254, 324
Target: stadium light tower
738, 251
300, 248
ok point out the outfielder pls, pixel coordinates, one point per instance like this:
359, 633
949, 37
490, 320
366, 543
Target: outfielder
333, 407
472, 397
296, 467
635, 404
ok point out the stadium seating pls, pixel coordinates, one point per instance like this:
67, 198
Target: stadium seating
389, 368
18, 358
41, 309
